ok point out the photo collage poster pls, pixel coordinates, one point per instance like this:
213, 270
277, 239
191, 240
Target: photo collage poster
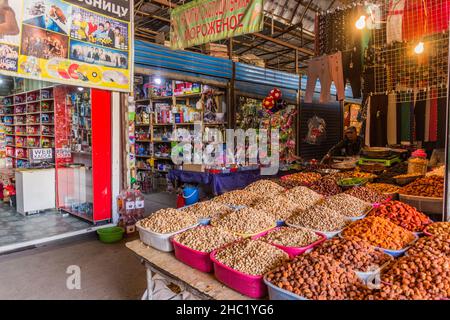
77, 42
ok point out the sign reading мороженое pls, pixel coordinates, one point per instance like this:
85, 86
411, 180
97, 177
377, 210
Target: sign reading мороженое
204, 21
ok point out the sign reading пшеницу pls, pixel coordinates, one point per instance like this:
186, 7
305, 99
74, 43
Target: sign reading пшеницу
203, 21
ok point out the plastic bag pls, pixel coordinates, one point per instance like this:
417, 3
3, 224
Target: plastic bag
316, 131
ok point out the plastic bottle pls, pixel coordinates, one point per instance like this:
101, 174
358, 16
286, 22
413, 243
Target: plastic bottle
130, 207
139, 205
418, 163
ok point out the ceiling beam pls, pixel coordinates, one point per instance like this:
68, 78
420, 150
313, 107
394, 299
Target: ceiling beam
152, 16
282, 43
164, 3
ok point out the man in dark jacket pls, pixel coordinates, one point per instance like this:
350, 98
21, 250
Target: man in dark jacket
351, 145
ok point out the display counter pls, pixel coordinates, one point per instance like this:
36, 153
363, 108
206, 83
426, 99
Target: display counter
199, 284
35, 190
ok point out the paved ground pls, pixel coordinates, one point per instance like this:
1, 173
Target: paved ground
108, 271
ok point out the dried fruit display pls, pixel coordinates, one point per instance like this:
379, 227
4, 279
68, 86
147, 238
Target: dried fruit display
317, 277
208, 209
383, 187
348, 205
253, 257
402, 215
266, 187
300, 179
291, 237
366, 194
417, 277
303, 197
319, 218
279, 206
379, 232
326, 187
432, 187
354, 254
436, 245
247, 221
439, 228
168, 221
239, 198
205, 239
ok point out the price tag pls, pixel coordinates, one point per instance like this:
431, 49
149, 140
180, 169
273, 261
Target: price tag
140, 204
129, 205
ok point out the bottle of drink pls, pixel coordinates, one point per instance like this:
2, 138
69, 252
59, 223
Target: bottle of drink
130, 207
139, 205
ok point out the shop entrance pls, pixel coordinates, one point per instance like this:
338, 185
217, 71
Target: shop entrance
51, 139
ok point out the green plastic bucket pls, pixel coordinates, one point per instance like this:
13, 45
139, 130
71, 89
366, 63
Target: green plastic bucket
111, 234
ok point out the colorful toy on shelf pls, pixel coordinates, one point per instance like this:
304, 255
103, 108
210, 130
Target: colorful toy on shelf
46, 94
45, 118
33, 96
32, 130
45, 106
46, 143
21, 153
19, 109
47, 130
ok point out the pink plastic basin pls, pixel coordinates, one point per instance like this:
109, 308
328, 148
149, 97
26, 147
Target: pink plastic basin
294, 251
193, 258
249, 285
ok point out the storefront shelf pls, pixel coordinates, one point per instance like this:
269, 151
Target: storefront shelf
162, 141
162, 124
143, 141
143, 156
144, 169
82, 216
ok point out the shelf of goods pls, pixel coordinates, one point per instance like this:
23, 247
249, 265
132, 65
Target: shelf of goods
29, 123
163, 109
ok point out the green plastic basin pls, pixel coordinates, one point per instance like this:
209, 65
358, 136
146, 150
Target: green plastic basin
111, 234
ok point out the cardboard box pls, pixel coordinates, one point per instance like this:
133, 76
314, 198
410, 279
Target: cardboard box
194, 167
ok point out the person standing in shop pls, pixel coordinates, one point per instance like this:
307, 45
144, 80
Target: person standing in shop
351, 146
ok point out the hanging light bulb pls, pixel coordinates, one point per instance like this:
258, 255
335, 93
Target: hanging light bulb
420, 48
157, 81
361, 23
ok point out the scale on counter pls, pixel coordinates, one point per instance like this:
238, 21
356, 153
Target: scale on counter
385, 162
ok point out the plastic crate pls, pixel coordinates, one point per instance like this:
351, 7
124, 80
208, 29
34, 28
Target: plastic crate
294, 251
248, 285
159, 241
276, 293
424, 204
193, 258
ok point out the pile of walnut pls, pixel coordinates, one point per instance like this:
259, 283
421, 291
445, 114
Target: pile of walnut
253, 257
246, 221
265, 187
278, 206
239, 198
354, 254
317, 277
303, 197
205, 239
291, 237
366, 194
168, 221
208, 209
348, 205
319, 218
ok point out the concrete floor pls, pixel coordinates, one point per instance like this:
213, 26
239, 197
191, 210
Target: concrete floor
108, 271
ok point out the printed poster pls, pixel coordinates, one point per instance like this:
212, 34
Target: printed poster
204, 21
78, 42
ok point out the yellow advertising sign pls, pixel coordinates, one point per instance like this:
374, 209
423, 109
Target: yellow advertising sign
79, 42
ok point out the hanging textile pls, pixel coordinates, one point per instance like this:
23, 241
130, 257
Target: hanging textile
394, 21
392, 119
378, 120
419, 116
